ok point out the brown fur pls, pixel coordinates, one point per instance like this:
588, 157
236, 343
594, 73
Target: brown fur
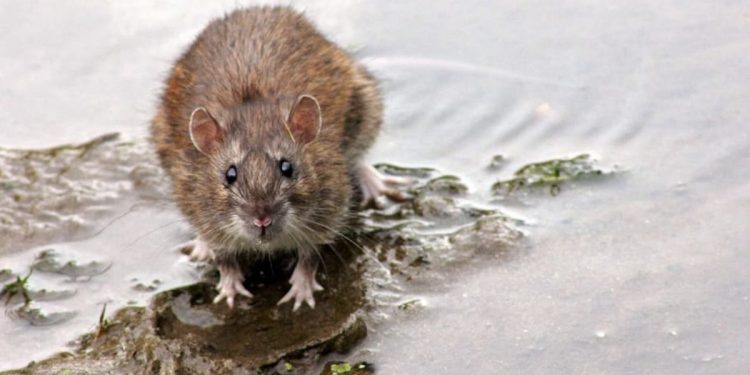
247, 69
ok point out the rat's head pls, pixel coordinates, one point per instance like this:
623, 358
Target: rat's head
259, 176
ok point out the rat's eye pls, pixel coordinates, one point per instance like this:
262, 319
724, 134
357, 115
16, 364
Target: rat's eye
231, 175
286, 168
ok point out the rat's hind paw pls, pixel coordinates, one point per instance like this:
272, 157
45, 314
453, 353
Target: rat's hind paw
230, 284
375, 185
303, 286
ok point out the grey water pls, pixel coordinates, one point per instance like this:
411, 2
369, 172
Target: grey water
644, 272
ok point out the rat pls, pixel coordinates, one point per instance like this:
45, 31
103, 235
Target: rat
262, 128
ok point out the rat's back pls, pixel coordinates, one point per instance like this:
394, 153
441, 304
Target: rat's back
260, 53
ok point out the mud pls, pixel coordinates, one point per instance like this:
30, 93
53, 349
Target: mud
63, 192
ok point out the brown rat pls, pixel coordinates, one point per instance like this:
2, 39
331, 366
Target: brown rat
262, 126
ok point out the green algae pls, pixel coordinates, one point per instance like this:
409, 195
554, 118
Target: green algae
18, 287
341, 368
549, 173
346, 368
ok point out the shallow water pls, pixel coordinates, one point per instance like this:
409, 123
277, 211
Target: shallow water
640, 272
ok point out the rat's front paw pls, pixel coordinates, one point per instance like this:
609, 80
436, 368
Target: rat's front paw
303, 286
201, 252
230, 284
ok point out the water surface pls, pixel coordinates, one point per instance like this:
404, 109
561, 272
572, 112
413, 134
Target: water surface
644, 272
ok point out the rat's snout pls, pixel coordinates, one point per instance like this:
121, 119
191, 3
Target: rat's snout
262, 221
261, 216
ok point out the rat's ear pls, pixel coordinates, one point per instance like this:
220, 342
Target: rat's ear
205, 132
304, 120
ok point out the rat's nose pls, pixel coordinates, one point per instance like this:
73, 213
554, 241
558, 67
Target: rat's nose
262, 221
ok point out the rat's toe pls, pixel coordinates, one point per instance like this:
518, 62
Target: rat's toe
230, 284
374, 186
310, 301
300, 294
288, 296
241, 290
397, 180
316, 287
225, 296
303, 287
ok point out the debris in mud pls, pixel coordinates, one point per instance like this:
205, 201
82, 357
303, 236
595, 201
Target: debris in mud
437, 203
410, 304
340, 368
51, 261
496, 163
440, 227
288, 367
145, 286
104, 323
549, 173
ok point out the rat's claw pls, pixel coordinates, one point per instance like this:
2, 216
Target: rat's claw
375, 185
303, 286
230, 284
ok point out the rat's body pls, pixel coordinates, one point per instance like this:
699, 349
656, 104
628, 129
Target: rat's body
262, 126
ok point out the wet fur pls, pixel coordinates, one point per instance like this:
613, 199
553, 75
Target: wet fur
247, 69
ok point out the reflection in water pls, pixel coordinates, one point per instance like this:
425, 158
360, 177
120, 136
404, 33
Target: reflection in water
458, 67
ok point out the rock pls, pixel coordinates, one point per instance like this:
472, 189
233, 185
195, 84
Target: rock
446, 184
489, 236
436, 207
